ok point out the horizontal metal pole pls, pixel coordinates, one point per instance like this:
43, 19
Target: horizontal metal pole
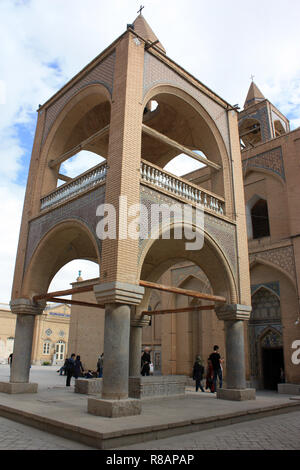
178, 290
178, 310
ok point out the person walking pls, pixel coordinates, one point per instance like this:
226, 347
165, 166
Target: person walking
198, 371
70, 369
209, 377
10, 358
100, 365
78, 368
216, 361
145, 362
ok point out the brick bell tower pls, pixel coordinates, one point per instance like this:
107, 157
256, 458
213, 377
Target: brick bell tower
106, 108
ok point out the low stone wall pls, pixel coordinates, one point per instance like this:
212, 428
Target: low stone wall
88, 386
157, 386
290, 389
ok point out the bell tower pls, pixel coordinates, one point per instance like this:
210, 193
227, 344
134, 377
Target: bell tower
260, 120
107, 109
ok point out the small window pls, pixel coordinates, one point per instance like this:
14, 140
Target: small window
46, 348
260, 219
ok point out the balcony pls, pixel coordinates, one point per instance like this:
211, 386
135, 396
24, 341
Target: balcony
87, 180
180, 188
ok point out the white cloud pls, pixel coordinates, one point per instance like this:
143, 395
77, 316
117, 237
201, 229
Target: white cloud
80, 163
44, 43
69, 273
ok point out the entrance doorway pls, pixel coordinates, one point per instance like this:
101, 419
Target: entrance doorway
272, 361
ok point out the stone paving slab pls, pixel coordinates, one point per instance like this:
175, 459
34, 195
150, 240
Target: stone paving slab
58, 410
64, 413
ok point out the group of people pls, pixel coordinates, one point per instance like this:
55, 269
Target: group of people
214, 371
73, 368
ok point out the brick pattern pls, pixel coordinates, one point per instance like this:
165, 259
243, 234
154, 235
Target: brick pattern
271, 160
102, 73
282, 257
82, 208
261, 114
221, 231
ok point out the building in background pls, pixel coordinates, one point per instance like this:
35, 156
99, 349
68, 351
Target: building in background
50, 338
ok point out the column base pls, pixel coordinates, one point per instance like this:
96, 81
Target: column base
114, 408
236, 394
18, 387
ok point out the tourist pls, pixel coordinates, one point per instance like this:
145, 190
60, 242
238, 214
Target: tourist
198, 371
78, 369
100, 365
70, 369
210, 377
145, 362
63, 368
10, 358
216, 361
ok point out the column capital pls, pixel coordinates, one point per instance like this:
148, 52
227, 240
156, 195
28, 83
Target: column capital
27, 307
233, 312
140, 321
119, 292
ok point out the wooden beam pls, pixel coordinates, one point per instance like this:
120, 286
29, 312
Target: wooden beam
75, 302
178, 310
178, 290
58, 161
172, 143
65, 178
75, 290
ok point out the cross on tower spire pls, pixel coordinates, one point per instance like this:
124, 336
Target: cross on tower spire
140, 10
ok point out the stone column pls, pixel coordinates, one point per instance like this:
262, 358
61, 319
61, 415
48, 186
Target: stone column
26, 312
136, 329
118, 298
233, 316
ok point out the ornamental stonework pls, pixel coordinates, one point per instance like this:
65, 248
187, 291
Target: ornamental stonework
103, 74
221, 231
282, 257
271, 160
82, 209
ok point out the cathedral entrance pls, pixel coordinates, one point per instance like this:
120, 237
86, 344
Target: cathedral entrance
272, 362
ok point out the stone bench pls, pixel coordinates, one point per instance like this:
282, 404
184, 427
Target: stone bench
88, 386
152, 387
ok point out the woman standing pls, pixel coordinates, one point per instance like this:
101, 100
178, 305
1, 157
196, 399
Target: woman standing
78, 369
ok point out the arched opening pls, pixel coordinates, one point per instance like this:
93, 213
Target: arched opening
67, 241
260, 219
178, 128
162, 262
82, 125
279, 128
265, 337
250, 133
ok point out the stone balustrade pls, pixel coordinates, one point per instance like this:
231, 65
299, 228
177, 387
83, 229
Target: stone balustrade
181, 188
83, 182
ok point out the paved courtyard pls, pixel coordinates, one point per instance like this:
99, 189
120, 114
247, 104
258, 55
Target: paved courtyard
272, 432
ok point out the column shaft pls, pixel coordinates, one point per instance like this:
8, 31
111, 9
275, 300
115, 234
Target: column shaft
135, 351
235, 360
22, 349
116, 351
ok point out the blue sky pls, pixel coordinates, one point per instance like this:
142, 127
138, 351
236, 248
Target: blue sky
46, 42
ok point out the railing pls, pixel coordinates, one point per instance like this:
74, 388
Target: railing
181, 188
85, 181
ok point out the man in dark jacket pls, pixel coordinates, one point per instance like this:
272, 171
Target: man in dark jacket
70, 369
216, 361
145, 362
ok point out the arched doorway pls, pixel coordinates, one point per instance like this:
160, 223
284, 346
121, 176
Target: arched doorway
265, 337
